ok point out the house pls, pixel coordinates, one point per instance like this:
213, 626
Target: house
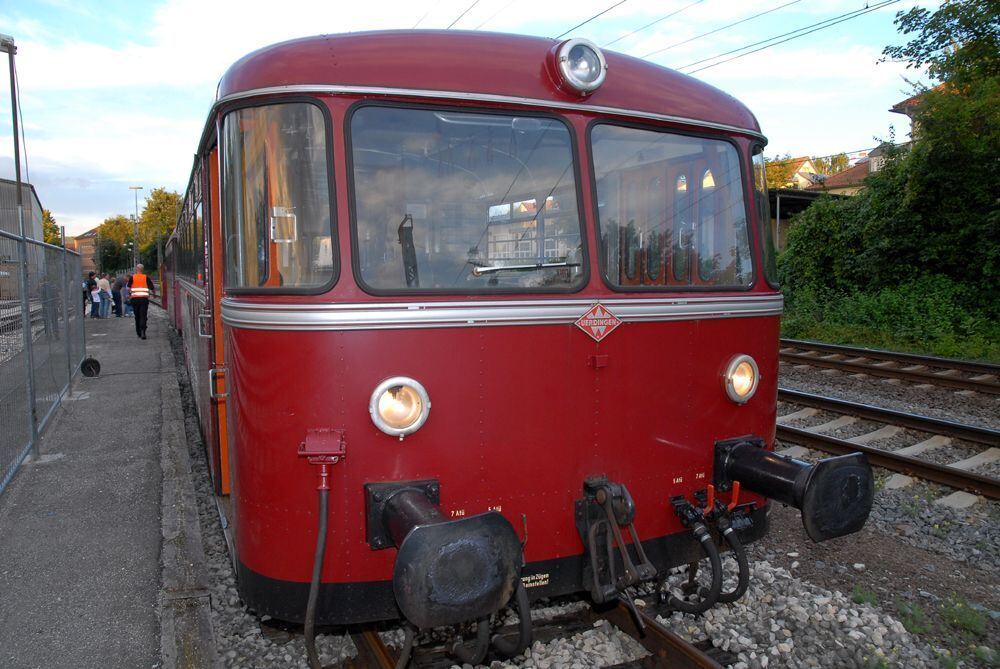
86, 245
908, 106
804, 174
849, 181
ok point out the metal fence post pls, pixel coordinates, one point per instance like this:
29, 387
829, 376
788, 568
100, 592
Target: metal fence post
65, 293
23, 246
29, 359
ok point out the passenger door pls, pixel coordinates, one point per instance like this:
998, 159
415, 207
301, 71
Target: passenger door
218, 381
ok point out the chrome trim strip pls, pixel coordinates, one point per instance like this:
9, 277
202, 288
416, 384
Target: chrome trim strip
195, 291
397, 315
480, 97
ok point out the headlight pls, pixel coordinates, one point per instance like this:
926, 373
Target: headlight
741, 378
582, 65
399, 406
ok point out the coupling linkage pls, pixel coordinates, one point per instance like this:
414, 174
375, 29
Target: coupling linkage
605, 509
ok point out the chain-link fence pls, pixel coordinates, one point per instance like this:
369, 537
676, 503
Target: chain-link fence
41, 341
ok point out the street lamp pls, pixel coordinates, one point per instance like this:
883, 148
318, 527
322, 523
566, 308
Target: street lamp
135, 238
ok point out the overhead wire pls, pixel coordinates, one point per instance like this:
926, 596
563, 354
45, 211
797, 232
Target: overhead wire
426, 14
795, 34
467, 10
653, 23
495, 14
721, 28
595, 16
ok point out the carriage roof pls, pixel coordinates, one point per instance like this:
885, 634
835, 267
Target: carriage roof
475, 65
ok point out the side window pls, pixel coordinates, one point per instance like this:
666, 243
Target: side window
681, 232
764, 217
678, 191
276, 214
708, 260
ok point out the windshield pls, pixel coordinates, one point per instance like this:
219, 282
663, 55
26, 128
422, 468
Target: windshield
670, 210
451, 201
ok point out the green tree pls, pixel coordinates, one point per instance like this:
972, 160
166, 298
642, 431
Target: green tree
916, 254
779, 170
958, 43
118, 228
159, 216
110, 256
830, 165
50, 229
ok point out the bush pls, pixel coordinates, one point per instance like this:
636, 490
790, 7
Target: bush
929, 314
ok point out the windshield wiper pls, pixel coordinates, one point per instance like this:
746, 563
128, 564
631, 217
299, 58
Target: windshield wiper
490, 269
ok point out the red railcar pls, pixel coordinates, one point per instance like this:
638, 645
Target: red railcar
510, 300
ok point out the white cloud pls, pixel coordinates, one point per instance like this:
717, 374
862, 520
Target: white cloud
100, 117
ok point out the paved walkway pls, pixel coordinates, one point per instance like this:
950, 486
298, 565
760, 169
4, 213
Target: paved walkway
81, 532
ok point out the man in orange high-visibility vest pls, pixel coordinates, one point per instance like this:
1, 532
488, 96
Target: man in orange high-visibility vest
141, 288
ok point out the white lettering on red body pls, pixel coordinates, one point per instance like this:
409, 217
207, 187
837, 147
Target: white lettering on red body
598, 322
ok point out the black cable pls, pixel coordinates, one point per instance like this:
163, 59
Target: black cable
743, 576
710, 596
467, 9
662, 18
310, 622
407, 650
475, 653
598, 15
818, 26
524, 631
495, 14
433, 7
720, 29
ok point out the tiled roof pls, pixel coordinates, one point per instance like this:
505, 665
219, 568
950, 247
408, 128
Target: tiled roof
852, 176
912, 101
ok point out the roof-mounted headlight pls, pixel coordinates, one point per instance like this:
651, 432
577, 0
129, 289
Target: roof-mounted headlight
581, 65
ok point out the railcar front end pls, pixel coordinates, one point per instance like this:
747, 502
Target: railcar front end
511, 305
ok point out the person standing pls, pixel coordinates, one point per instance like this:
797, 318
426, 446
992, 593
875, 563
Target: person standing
95, 296
116, 295
141, 287
105, 287
127, 294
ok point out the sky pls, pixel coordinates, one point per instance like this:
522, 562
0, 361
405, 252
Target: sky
115, 93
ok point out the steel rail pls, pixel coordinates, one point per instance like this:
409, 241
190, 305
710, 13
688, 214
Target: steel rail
979, 435
667, 649
372, 652
992, 387
930, 471
895, 356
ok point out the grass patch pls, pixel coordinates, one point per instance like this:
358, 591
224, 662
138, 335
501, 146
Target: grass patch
957, 613
925, 315
987, 656
862, 595
913, 617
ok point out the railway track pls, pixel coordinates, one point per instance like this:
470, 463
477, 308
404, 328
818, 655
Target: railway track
666, 648
904, 460
958, 374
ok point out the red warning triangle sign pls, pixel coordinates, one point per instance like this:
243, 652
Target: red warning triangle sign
598, 322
